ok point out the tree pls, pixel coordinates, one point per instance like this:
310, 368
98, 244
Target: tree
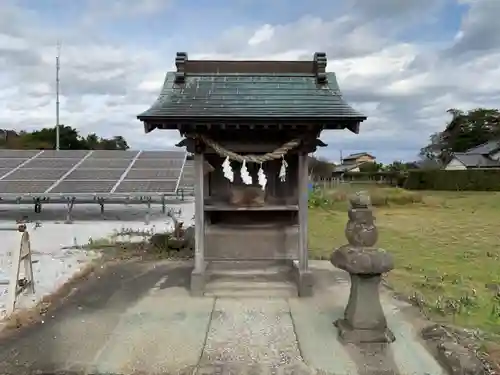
46, 139
69, 139
434, 150
464, 131
115, 143
92, 141
400, 166
320, 168
370, 167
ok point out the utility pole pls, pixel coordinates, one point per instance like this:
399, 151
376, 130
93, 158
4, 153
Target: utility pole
57, 93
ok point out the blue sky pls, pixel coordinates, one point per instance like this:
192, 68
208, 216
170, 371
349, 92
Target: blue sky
403, 63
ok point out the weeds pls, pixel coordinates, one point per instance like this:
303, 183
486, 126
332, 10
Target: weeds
380, 197
445, 246
129, 242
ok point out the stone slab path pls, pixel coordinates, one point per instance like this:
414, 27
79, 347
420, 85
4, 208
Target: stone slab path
138, 318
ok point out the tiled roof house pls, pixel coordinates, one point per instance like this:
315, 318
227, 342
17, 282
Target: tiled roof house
486, 155
352, 162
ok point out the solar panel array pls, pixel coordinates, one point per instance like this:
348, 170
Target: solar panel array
90, 172
187, 178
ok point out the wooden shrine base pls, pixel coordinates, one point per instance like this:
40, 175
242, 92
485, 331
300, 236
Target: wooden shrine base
257, 278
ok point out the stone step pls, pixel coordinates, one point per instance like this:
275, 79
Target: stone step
250, 276
250, 279
242, 288
257, 266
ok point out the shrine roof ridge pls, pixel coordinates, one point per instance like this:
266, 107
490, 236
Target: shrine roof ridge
245, 91
303, 67
218, 74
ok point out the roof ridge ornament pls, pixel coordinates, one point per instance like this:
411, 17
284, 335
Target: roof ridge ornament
180, 63
320, 62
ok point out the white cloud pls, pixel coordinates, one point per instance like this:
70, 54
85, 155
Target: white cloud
405, 87
261, 35
115, 9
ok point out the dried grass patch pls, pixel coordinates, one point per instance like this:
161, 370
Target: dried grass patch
492, 350
28, 316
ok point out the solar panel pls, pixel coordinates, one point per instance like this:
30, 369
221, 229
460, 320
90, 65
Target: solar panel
187, 177
80, 187
153, 174
82, 172
186, 182
11, 162
22, 154
146, 186
36, 174
162, 155
95, 174
28, 187
63, 154
51, 163
188, 169
158, 164
4, 171
113, 154
90, 163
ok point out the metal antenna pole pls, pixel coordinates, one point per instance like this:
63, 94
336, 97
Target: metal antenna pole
57, 93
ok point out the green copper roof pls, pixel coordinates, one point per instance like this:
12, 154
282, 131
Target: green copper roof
250, 96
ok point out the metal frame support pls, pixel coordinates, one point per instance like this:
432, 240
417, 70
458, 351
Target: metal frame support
101, 205
38, 206
147, 216
70, 204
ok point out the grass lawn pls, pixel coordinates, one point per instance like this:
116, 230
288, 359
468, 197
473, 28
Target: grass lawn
446, 247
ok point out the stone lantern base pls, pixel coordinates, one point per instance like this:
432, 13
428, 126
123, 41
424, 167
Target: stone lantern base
364, 320
350, 335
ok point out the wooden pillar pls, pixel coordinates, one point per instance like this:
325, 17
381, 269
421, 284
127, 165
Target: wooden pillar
199, 254
198, 274
303, 182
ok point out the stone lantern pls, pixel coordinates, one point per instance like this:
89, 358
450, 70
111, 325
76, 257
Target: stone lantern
364, 320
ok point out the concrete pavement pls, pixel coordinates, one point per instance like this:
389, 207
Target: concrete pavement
138, 317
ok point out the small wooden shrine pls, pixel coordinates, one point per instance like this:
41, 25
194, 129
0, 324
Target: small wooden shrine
251, 126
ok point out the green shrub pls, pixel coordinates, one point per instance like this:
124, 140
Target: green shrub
454, 180
392, 178
317, 199
380, 197
394, 196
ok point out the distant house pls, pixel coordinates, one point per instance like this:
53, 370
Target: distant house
486, 155
7, 136
360, 157
351, 163
343, 168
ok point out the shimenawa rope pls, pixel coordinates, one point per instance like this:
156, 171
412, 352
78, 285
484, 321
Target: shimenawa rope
279, 153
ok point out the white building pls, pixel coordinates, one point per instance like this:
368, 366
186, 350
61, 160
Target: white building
486, 155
